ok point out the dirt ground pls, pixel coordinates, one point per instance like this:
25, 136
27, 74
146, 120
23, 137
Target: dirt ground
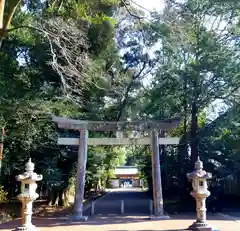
123, 223
49, 218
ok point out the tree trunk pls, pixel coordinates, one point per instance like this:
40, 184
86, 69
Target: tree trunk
88, 187
12, 8
108, 182
183, 162
50, 196
2, 6
184, 154
196, 92
4, 24
99, 185
54, 196
66, 195
60, 198
194, 128
63, 197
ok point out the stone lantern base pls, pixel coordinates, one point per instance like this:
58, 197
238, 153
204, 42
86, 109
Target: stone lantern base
199, 226
27, 228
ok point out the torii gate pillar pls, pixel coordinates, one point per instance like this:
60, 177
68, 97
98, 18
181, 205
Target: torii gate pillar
157, 180
80, 181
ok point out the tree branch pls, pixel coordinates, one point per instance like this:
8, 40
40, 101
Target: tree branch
130, 12
13, 6
2, 7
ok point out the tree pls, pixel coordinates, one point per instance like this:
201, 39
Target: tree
194, 65
202, 61
34, 90
7, 11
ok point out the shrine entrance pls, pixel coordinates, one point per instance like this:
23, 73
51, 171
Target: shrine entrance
126, 176
153, 133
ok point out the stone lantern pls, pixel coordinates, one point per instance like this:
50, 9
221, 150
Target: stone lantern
200, 192
28, 195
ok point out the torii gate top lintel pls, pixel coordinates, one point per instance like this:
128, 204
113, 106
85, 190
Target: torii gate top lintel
161, 125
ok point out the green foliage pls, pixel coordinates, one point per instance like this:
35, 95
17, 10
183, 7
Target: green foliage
3, 195
32, 90
100, 36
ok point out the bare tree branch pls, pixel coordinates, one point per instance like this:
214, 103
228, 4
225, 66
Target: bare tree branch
68, 48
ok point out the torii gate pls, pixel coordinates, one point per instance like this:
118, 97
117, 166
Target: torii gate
154, 127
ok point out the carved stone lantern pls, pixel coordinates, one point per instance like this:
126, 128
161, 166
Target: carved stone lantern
200, 192
28, 195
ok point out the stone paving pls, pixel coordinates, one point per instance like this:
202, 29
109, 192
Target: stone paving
137, 222
136, 202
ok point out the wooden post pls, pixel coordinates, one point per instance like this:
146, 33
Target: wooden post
150, 206
80, 182
156, 175
122, 206
93, 208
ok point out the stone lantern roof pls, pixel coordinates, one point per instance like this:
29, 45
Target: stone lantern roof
30, 166
29, 176
199, 172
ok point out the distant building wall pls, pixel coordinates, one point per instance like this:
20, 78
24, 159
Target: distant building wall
136, 183
127, 176
126, 173
115, 183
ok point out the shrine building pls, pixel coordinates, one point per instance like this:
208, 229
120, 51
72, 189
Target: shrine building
126, 176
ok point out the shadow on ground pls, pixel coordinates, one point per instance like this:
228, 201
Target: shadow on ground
99, 220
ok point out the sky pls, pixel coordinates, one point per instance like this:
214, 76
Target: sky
151, 4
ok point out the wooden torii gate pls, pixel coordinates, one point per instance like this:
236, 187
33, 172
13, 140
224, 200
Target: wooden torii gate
153, 127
